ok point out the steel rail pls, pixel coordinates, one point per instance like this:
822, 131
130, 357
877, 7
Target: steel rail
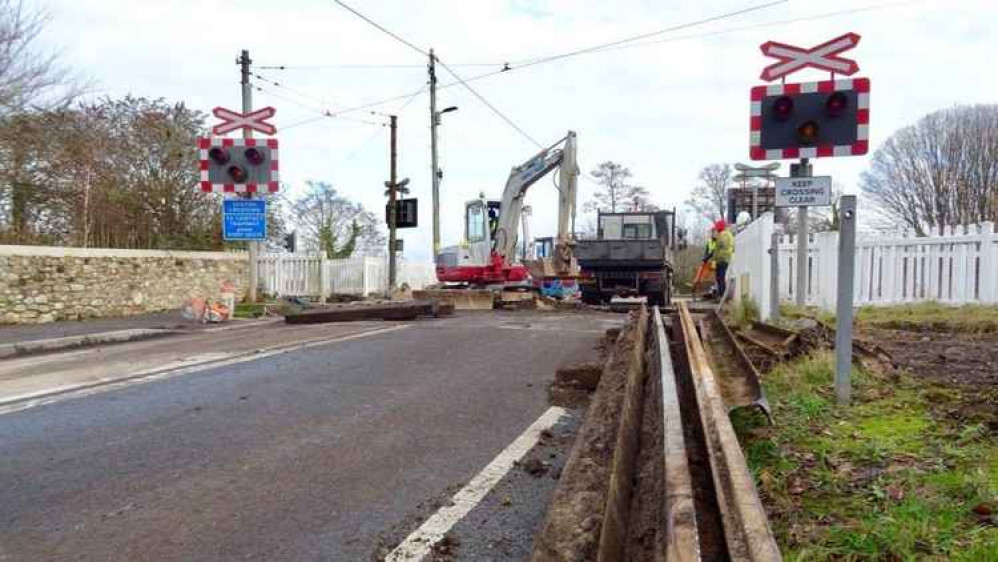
681, 535
746, 527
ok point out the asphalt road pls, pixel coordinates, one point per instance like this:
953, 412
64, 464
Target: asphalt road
306, 455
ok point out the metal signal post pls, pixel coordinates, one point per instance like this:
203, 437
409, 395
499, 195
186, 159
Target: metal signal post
802, 170
392, 209
247, 93
434, 119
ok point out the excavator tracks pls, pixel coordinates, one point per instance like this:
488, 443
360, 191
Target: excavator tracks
657, 472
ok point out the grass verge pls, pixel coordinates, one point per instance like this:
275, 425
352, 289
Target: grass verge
247, 310
934, 316
889, 478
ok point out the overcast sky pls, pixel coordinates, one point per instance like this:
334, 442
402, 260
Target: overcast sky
664, 109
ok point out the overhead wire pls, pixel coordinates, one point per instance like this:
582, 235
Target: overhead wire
624, 43
607, 47
533, 62
383, 30
364, 66
761, 25
323, 113
303, 95
633, 38
481, 98
488, 104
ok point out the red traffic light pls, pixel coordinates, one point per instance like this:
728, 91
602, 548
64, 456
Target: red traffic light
254, 156
218, 155
237, 174
836, 104
783, 108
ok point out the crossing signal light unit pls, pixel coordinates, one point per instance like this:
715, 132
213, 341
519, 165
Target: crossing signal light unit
406, 213
810, 120
238, 165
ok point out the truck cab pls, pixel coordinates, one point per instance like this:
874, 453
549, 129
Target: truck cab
631, 256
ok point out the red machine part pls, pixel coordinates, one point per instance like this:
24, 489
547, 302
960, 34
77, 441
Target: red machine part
496, 272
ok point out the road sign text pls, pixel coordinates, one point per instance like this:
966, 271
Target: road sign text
804, 192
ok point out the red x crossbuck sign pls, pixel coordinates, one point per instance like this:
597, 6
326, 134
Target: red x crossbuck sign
822, 57
233, 120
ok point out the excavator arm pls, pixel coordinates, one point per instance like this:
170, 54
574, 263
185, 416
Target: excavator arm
560, 155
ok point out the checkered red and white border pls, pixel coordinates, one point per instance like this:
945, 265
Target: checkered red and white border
204, 144
862, 144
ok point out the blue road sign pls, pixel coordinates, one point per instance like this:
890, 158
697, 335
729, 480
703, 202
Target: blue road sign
244, 219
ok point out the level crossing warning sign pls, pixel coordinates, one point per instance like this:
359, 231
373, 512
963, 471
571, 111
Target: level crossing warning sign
804, 192
244, 219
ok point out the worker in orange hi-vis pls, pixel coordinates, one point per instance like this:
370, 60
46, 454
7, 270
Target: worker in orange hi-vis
724, 252
706, 269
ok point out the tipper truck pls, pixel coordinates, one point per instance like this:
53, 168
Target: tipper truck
631, 256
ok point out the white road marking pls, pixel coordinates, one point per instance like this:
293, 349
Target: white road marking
418, 545
70, 392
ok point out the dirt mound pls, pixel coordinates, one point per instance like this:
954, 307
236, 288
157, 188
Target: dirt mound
572, 527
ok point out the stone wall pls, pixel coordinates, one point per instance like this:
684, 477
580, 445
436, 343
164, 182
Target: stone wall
44, 284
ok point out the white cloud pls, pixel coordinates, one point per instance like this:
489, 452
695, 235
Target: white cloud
663, 110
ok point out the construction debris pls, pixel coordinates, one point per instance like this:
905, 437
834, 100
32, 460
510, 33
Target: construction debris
409, 310
460, 299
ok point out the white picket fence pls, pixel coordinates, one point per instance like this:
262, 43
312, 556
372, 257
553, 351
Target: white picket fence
956, 265
302, 275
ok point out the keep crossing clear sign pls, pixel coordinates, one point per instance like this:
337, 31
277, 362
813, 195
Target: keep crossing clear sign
244, 219
804, 192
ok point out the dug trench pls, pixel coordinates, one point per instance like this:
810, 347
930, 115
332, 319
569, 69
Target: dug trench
596, 486
613, 502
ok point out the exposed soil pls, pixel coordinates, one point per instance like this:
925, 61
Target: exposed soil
645, 524
957, 359
572, 527
709, 525
573, 384
964, 366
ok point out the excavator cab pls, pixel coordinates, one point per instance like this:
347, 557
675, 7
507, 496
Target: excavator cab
481, 220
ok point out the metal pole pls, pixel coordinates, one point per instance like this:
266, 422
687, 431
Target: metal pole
392, 192
247, 91
755, 200
434, 122
774, 277
844, 299
803, 170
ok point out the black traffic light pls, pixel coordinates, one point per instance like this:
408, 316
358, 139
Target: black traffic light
810, 120
238, 165
406, 214
291, 241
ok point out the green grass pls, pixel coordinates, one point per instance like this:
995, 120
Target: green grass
971, 318
939, 317
743, 312
888, 478
247, 310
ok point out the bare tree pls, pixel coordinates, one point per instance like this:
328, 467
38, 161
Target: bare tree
30, 78
940, 171
640, 199
709, 197
613, 193
333, 224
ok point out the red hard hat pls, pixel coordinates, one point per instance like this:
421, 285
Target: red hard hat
720, 225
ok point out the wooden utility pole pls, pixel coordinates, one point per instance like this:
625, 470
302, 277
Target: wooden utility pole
392, 198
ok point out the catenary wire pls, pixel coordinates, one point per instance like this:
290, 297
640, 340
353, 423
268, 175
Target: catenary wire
488, 104
381, 28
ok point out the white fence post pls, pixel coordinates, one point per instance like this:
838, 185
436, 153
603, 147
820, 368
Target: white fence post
323, 277
988, 288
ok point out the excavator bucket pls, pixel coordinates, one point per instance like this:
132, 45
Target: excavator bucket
462, 299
